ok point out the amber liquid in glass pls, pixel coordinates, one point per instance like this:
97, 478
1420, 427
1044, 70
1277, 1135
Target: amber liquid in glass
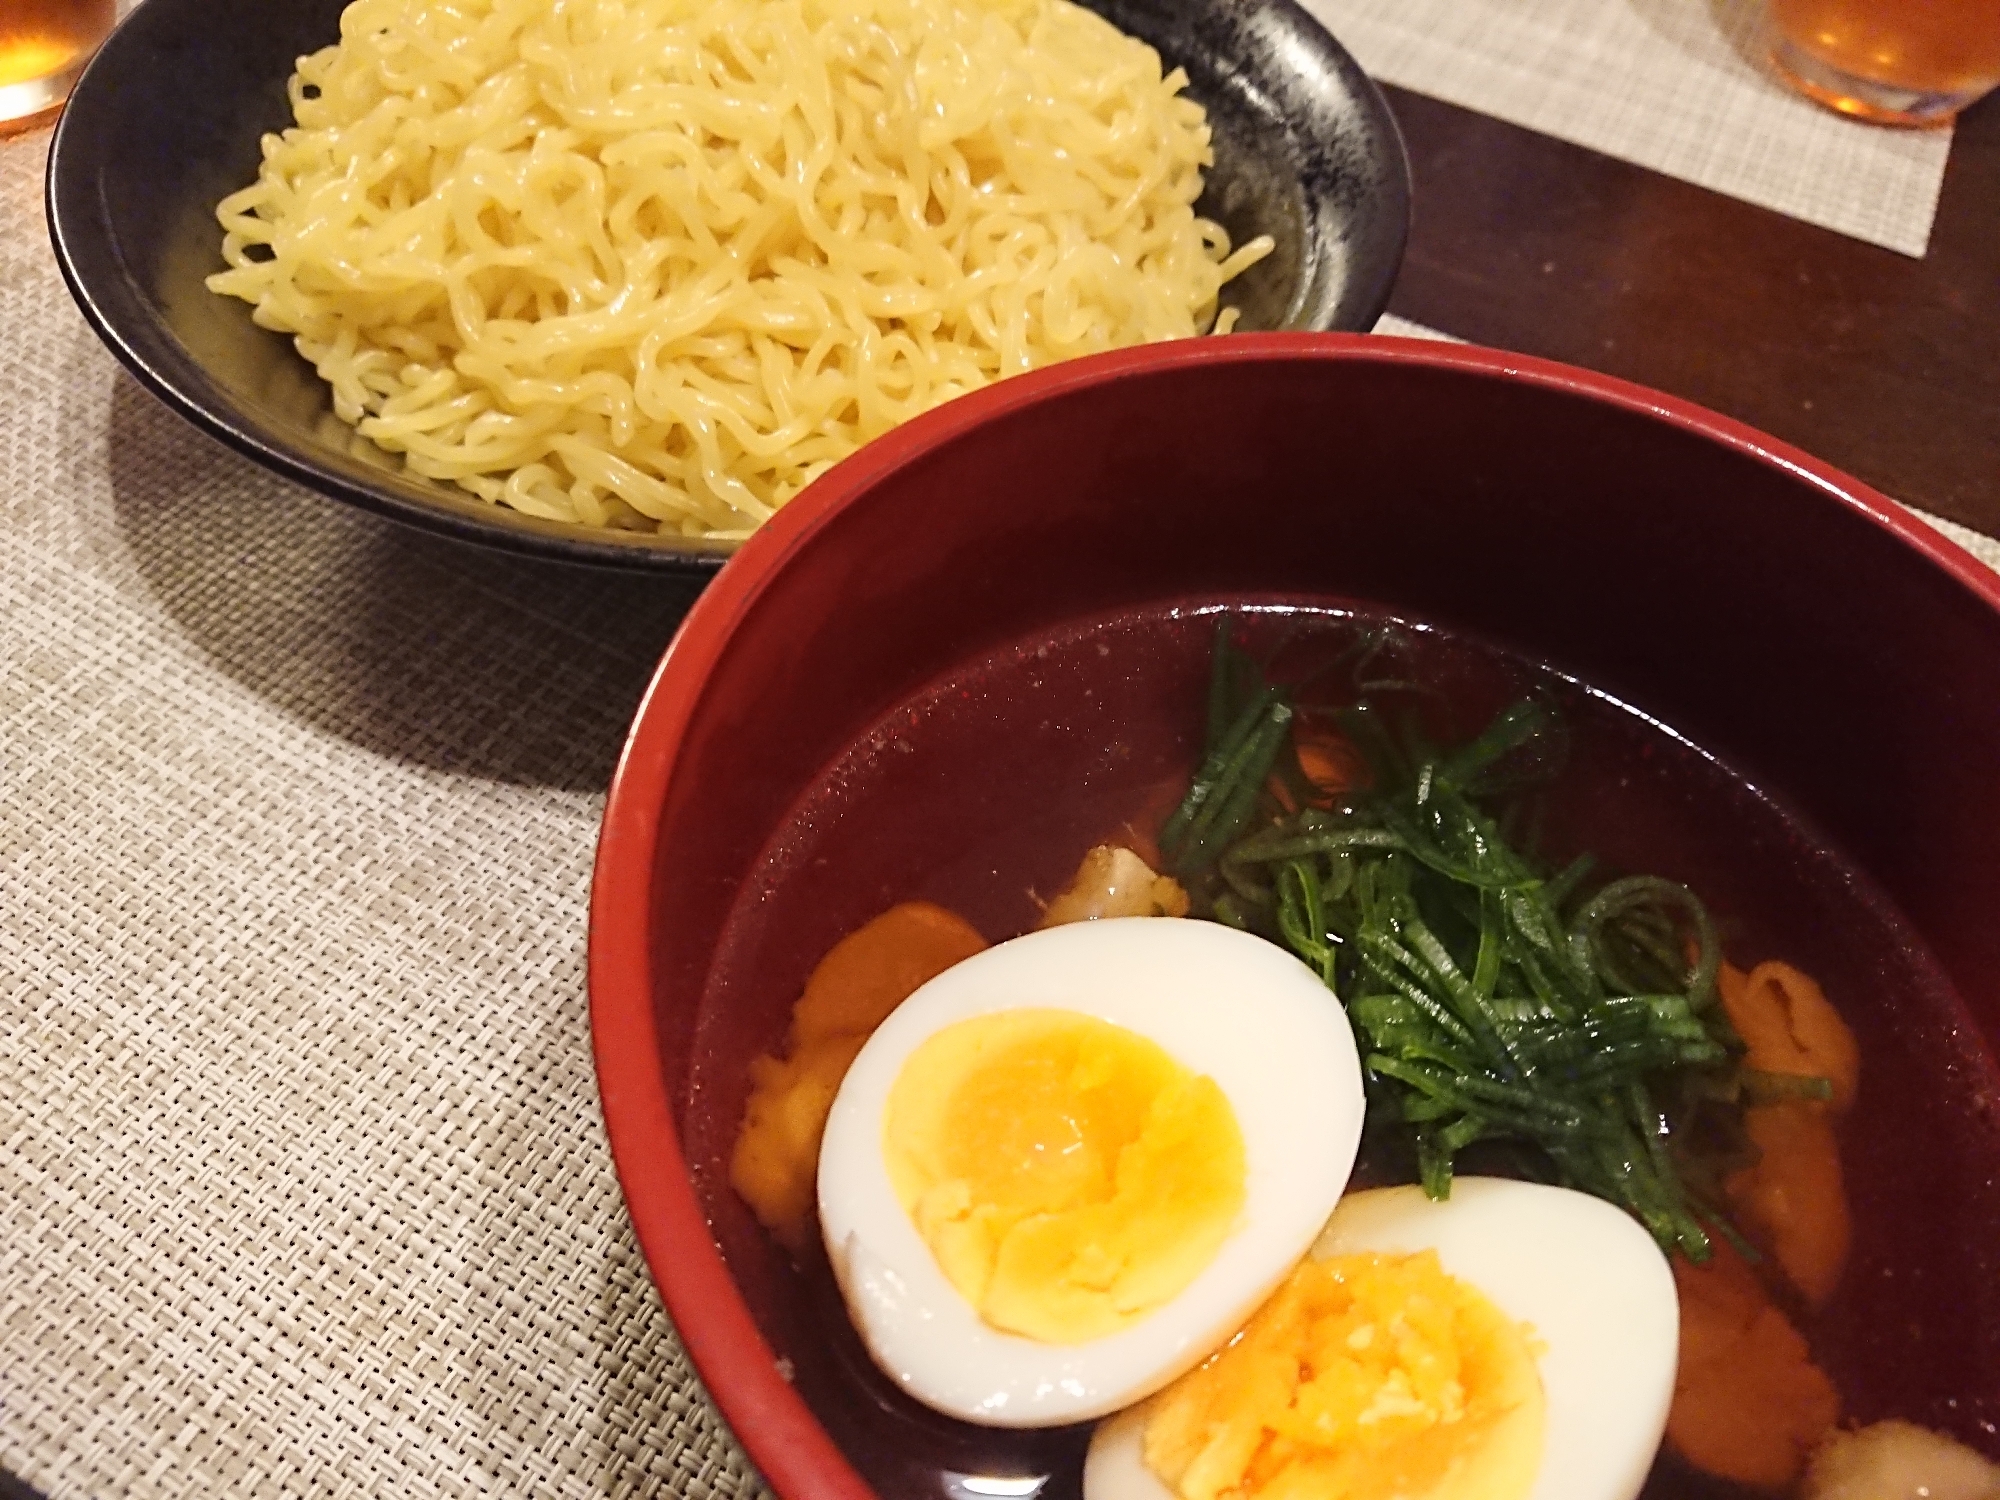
1945, 49
43, 46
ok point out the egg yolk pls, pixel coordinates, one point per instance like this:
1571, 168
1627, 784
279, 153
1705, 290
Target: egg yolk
1364, 1377
1068, 1174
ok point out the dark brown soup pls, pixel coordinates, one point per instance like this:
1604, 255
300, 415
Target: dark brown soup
987, 787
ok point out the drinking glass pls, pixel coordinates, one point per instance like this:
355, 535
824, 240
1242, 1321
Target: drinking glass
1898, 62
43, 47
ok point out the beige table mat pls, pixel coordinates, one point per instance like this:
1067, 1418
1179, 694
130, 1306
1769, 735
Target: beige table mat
1675, 85
303, 1189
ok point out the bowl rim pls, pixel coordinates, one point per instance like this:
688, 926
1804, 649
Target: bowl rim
90, 257
739, 1368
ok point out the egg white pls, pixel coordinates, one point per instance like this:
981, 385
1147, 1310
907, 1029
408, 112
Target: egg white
1218, 1001
1592, 1284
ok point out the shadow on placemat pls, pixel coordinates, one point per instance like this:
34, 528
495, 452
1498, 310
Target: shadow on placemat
1739, 23
409, 645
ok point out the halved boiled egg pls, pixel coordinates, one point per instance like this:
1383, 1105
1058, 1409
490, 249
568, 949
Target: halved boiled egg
1067, 1168
1514, 1342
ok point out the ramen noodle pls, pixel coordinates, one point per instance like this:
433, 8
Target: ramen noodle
656, 264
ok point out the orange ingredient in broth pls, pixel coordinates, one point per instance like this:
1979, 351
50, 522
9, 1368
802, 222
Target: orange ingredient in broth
1793, 1201
1329, 760
863, 977
1789, 1026
1749, 1403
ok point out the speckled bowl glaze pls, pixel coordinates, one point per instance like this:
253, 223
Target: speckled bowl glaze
167, 119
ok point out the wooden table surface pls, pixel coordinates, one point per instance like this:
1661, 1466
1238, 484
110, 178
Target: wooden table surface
1885, 366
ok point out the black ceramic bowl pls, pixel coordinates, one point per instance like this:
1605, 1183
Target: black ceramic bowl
167, 118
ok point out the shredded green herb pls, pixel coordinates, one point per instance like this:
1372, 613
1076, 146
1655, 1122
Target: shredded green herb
1494, 1000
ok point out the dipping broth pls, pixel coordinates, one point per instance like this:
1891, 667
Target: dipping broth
982, 792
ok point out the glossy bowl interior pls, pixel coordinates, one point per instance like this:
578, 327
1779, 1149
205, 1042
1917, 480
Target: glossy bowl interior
1828, 646
166, 121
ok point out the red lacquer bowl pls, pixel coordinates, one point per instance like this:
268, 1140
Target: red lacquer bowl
1778, 613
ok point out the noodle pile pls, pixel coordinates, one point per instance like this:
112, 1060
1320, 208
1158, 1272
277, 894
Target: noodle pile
657, 264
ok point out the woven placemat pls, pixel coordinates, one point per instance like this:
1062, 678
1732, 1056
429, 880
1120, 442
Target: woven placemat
1680, 86
303, 1186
